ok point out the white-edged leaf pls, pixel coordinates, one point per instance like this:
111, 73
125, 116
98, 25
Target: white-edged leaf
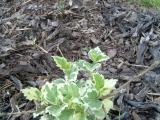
92, 93
99, 114
32, 93
70, 69
67, 114
73, 90
77, 104
110, 84
80, 116
86, 66
96, 55
92, 100
107, 104
69, 91
58, 81
50, 93
47, 117
55, 110
71, 74
93, 104
64, 92
98, 80
62, 63
105, 92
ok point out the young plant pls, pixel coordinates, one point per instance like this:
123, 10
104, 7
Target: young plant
71, 99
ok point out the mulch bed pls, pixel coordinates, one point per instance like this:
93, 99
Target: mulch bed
32, 31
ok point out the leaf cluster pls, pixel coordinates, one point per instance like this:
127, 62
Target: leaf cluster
71, 99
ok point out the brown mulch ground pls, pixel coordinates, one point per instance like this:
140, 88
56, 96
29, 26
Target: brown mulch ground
128, 34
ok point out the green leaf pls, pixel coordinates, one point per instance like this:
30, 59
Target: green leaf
67, 114
83, 90
62, 63
55, 110
100, 114
32, 93
80, 116
69, 91
98, 80
77, 104
92, 94
50, 93
47, 117
80, 83
86, 66
73, 90
91, 117
96, 55
70, 69
72, 73
107, 104
58, 81
64, 92
93, 103
92, 100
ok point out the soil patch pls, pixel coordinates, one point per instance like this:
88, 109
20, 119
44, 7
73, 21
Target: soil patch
32, 31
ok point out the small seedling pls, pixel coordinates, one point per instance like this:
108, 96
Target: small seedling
69, 98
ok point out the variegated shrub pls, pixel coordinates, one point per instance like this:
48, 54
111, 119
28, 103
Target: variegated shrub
71, 99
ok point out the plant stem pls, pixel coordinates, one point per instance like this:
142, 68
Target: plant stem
17, 113
134, 79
